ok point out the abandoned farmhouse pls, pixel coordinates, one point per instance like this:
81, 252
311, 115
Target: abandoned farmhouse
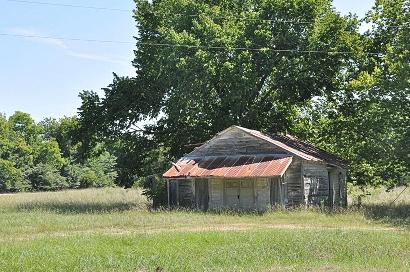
244, 169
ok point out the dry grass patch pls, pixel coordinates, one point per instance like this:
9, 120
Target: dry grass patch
113, 230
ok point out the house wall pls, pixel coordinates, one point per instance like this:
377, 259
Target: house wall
324, 183
262, 193
340, 191
181, 193
334, 181
303, 184
316, 183
294, 184
216, 194
254, 194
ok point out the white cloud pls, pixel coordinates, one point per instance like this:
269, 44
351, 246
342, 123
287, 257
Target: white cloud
26, 33
94, 57
38, 37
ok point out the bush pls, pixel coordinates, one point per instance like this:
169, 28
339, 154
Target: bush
45, 177
11, 178
96, 172
155, 189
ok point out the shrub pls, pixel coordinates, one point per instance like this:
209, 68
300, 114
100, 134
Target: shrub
155, 189
96, 172
45, 177
11, 178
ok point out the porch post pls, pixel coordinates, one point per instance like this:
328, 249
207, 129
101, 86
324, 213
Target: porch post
169, 204
177, 181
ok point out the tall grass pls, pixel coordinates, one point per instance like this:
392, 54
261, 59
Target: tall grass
113, 230
77, 201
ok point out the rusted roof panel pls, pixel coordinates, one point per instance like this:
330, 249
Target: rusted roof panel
200, 167
229, 167
213, 166
224, 167
250, 166
236, 168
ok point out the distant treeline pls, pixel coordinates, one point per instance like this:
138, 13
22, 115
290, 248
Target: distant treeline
48, 156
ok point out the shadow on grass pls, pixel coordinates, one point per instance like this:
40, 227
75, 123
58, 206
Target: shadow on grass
397, 215
76, 208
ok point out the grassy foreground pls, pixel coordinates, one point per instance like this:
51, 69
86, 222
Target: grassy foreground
112, 230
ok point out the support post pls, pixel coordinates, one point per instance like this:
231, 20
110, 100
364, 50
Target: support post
169, 204
177, 182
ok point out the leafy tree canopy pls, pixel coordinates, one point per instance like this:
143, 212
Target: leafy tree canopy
278, 66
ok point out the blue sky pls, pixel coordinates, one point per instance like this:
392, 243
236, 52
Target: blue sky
44, 76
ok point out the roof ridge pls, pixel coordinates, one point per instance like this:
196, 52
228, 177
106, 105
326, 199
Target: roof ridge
297, 146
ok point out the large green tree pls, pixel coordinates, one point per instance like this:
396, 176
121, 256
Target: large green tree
211, 64
278, 66
204, 65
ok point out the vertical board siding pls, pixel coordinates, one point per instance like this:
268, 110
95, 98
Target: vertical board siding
316, 183
304, 183
186, 196
262, 193
201, 194
293, 180
247, 194
173, 194
277, 196
343, 189
216, 194
334, 180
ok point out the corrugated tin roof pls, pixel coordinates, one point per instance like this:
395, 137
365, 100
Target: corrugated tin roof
229, 167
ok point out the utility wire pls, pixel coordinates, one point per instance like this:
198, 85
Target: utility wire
190, 46
67, 5
405, 25
64, 38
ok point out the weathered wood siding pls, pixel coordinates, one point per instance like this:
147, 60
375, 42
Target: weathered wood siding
216, 194
316, 183
294, 184
236, 142
339, 188
343, 188
262, 190
334, 181
258, 193
186, 196
201, 189
246, 194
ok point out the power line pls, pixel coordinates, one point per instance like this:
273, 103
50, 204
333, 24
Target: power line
64, 38
67, 5
405, 25
250, 19
191, 46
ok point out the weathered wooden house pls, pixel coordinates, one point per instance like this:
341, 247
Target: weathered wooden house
245, 169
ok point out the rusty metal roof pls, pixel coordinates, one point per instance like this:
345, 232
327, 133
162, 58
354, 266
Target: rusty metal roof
229, 167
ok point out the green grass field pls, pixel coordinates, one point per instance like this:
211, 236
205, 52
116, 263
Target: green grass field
113, 230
